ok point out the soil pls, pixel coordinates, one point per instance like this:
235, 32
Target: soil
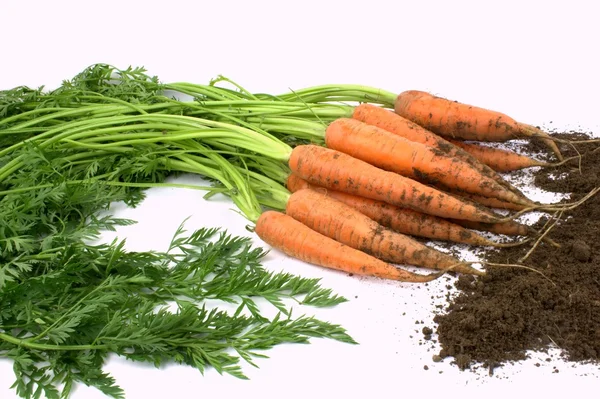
496, 319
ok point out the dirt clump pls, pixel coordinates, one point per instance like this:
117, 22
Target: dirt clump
497, 318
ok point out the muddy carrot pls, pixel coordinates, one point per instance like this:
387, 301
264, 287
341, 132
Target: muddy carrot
510, 228
457, 120
392, 152
394, 123
341, 172
347, 225
499, 159
301, 242
401, 220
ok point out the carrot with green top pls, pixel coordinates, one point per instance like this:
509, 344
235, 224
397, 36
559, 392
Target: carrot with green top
295, 239
401, 220
457, 120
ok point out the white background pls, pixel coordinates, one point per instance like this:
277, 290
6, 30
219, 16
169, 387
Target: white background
536, 61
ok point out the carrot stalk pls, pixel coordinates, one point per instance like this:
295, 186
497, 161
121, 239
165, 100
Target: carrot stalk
299, 241
457, 120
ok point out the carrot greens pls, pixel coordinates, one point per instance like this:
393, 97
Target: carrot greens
67, 302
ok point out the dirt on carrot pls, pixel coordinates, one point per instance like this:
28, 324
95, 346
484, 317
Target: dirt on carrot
496, 319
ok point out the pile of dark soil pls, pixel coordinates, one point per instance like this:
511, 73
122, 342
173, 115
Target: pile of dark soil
497, 318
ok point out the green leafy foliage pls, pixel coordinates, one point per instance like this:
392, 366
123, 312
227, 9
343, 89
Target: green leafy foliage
66, 304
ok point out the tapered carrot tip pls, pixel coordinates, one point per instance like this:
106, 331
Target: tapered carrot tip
533, 131
299, 241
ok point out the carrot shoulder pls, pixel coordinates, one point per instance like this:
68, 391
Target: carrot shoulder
341, 172
299, 241
453, 119
418, 161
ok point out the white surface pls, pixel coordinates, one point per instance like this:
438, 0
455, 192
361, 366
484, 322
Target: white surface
536, 61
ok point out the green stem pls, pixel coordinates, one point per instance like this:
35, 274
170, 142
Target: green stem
109, 183
238, 136
196, 90
46, 347
342, 92
65, 314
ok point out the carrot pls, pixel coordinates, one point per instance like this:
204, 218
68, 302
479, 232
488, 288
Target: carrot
401, 220
392, 152
345, 224
498, 159
488, 202
394, 123
510, 228
453, 119
299, 241
341, 172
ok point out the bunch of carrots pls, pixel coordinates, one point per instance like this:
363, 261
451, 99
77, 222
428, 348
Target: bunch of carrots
385, 176
352, 188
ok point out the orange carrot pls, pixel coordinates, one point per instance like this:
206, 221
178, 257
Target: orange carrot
345, 224
341, 172
392, 152
394, 123
510, 228
299, 241
453, 119
402, 220
488, 202
498, 159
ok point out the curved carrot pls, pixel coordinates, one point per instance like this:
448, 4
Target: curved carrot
299, 241
392, 152
498, 159
402, 220
457, 120
345, 224
338, 171
394, 123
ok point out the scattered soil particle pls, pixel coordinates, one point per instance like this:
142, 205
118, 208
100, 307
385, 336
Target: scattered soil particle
497, 318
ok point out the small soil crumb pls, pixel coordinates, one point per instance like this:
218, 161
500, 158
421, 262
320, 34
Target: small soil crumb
427, 331
581, 251
463, 361
426, 367
436, 358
